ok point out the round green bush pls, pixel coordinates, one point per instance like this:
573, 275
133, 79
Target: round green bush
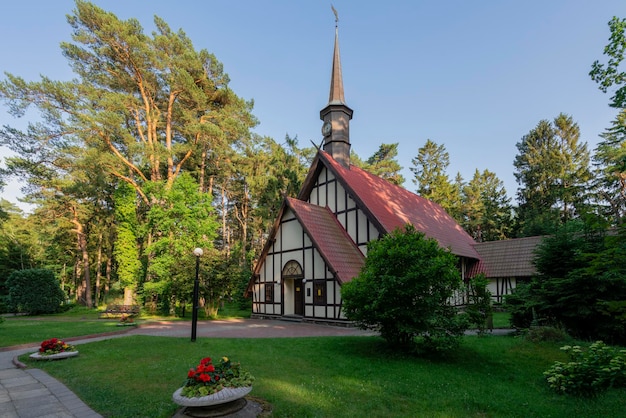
34, 291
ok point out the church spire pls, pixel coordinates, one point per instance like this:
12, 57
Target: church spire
336, 115
336, 80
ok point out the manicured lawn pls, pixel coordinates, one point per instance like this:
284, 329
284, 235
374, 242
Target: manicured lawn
489, 376
25, 330
501, 320
16, 330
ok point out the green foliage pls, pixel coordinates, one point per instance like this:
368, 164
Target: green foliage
588, 372
182, 221
610, 75
610, 176
479, 308
581, 284
487, 211
141, 110
538, 334
610, 156
403, 291
433, 183
520, 304
19, 239
208, 378
383, 163
480, 206
34, 291
552, 169
126, 250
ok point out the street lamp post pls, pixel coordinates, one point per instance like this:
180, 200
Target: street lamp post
196, 284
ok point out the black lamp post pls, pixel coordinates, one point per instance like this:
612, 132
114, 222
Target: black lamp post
196, 284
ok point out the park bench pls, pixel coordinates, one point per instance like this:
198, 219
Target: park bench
119, 310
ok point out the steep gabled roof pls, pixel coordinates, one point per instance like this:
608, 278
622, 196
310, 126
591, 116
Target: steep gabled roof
390, 206
508, 258
334, 244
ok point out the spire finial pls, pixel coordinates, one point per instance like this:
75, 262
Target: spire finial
336, 15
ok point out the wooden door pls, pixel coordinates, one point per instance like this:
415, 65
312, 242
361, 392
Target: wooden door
298, 293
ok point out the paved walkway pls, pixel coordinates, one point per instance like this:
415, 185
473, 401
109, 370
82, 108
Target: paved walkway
32, 393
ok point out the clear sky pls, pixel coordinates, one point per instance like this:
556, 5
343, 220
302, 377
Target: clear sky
474, 76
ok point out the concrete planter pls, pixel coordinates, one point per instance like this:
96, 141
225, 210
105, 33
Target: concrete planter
223, 396
57, 356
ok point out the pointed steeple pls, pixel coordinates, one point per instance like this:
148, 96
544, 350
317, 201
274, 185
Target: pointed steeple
336, 80
336, 115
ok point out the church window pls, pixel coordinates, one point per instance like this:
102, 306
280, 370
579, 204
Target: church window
269, 292
319, 292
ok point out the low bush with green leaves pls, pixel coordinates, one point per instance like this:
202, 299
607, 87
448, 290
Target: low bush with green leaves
34, 291
588, 371
547, 333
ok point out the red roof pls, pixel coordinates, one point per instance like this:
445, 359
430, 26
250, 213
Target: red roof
393, 207
332, 241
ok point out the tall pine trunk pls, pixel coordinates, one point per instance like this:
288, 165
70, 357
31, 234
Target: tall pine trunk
84, 296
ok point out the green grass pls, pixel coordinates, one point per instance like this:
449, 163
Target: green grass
501, 320
27, 330
332, 377
80, 321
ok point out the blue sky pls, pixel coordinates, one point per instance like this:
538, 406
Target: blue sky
473, 76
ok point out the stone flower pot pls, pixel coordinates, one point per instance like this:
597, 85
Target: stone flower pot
57, 356
223, 396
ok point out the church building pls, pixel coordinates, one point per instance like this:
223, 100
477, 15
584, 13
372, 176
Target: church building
319, 239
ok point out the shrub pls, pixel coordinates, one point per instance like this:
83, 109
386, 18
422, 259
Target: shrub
547, 334
34, 291
588, 372
581, 285
403, 290
479, 308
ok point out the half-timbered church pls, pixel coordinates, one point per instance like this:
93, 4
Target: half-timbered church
319, 239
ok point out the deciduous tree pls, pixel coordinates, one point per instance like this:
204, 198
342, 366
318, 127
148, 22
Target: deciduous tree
403, 290
612, 74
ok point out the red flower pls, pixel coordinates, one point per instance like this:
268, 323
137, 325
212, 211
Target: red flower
191, 373
209, 368
206, 360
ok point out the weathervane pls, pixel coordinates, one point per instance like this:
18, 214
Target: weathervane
336, 15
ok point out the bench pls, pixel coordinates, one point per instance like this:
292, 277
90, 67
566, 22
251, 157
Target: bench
119, 310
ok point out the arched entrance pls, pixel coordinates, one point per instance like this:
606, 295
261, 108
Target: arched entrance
292, 279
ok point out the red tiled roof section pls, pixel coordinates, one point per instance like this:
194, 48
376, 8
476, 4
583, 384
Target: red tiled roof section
394, 207
332, 241
508, 258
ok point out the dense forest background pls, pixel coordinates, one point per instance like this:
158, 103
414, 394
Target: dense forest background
147, 153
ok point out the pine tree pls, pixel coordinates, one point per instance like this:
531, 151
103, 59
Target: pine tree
433, 183
552, 169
